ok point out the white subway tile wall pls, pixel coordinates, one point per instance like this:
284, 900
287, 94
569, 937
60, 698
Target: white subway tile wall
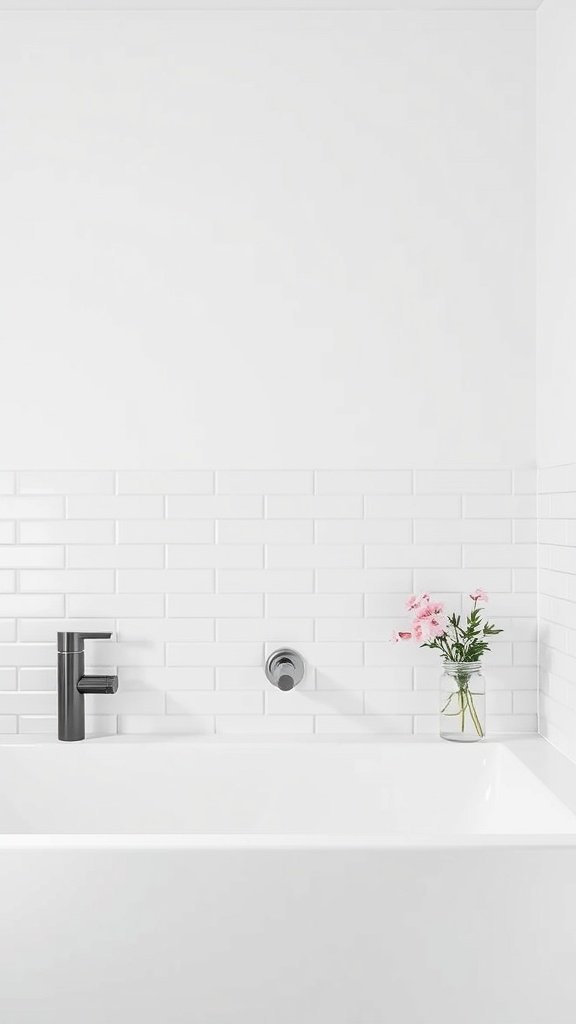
200, 575
557, 611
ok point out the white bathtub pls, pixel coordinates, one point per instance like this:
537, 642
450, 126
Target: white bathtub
215, 882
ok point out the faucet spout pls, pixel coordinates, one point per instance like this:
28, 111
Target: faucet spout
286, 682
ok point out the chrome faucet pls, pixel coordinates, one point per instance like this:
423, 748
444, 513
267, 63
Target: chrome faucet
73, 684
285, 669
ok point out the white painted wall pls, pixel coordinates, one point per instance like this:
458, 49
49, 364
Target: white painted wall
557, 371
557, 232
283, 240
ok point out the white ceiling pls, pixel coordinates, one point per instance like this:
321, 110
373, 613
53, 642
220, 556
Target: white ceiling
298, 5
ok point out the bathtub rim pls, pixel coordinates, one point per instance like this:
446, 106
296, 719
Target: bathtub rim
537, 755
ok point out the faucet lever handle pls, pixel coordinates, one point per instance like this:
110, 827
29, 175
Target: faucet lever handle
95, 636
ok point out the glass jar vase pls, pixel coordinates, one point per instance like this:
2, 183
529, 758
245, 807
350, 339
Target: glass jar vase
462, 701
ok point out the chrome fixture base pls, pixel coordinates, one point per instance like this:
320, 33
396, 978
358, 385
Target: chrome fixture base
285, 668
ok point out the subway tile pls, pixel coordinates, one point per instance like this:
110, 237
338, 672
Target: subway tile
363, 531
314, 507
242, 678
37, 679
525, 481
388, 606
8, 679
418, 506
313, 702
511, 723
392, 481
29, 703
512, 604
7, 483
403, 655
265, 531
199, 609
462, 580
499, 702
19, 556
100, 725
499, 654
163, 630
525, 653
37, 725
369, 581
214, 654
266, 581
31, 508
551, 531
499, 555
67, 531
96, 725
463, 531
365, 678
29, 605
556, 479
264, 725
122, 605
324, 653
426, 725
265, 482
221, 556
319, 556
7, 581
214, 702
221, 506
159, 677
131, 703
413, 556
67, 581
525, 531
470, 481
265, 629
504, 677
199, 581
166, 482
314, 605
104, 653
427, 677
219, 606
7, 629
524, 702
355, 629
368, 725
8, 724
116, 556
499, 506
115, 507
401, 702
166, 531
525, 580
62, 482
171, 725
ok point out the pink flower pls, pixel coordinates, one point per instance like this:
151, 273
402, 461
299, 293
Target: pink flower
479, 595
417, 601
430, 621
420, 631
397, 637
